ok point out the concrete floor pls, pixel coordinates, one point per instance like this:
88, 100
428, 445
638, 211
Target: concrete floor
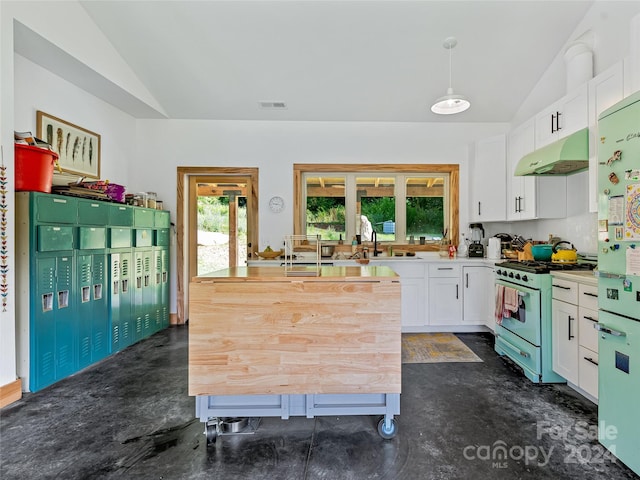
130, 417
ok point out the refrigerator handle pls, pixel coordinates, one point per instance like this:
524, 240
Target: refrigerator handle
602, 274
604, 329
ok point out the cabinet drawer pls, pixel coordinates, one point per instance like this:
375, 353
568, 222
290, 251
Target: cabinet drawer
565, 290
162, 219
588, 371
121, 215
52, 238
91, 238
93, 213
588, 296
144, 217
143, 237
588, 336
405, 269
119, 237
53, 209
444, 270
161, 237
519, 350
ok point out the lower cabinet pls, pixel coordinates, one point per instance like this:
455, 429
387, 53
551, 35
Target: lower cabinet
478, 299
574, 338
412, 287
445, 292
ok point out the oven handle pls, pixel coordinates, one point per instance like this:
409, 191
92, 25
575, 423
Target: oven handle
517, 350
604, 329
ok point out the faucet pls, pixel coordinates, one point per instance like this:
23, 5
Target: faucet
374, 237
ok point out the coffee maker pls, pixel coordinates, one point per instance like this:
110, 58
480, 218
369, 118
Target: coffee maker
476, 249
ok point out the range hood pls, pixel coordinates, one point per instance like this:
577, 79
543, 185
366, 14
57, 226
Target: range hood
564, 157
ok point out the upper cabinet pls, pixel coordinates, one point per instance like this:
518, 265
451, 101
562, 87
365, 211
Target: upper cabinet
529, 198
488, 175
562, 118
605, 90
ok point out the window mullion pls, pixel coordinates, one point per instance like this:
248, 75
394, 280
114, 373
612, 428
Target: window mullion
401, 208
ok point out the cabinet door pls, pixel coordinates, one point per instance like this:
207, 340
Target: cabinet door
588, 375
546, 124
488, 175
521, 191
412, 302
574, 111
565, 340
445, 307
478, 298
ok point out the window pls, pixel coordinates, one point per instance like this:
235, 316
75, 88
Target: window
398, 202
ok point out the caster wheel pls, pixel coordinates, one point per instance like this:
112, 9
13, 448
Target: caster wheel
212, 434
385, 432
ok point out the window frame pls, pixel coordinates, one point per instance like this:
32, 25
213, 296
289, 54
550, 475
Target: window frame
452, 170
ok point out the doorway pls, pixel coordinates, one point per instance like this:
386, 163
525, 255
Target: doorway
217, 223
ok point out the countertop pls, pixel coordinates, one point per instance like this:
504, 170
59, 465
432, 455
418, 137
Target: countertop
420, 257
581, 276
271, 273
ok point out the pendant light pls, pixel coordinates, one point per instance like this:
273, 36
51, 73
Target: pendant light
450, 103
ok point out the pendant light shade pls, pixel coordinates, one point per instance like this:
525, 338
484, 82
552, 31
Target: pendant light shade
450, 103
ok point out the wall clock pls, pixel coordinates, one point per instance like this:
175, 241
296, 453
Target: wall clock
276, 204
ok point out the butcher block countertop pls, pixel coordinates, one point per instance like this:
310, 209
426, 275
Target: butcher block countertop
374, 273
254, 331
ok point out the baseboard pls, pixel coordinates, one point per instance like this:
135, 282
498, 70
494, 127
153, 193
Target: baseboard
11, 392
173, 319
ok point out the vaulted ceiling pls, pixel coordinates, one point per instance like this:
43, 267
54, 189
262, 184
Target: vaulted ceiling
337, 60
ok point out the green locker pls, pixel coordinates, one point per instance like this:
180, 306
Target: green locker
92, 238
164, 297
156, 304
137, 296
144, 217
162, 219
100, 330
121, 215
121, 315
91, 212
52, 238
120, 237
51, 339
143, 237
84, 310
55, 209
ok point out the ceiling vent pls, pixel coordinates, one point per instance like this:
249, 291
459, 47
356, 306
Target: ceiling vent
273, 105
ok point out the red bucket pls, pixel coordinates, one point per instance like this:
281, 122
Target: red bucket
34, 168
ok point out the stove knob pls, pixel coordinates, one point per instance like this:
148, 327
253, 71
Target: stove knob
511, 275
517, 276
525, 278
504, 273
498, 272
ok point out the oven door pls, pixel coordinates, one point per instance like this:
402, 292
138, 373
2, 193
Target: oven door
526, 322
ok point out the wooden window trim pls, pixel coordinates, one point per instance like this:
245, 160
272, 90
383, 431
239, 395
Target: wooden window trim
453, 170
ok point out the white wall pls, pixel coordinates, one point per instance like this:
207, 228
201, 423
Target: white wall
38, 89
274, 147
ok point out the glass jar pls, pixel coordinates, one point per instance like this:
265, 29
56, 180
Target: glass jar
151, 200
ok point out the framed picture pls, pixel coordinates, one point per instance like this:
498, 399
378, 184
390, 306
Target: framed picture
77, 147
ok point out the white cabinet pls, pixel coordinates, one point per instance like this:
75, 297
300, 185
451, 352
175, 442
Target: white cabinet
529, 198
562, 118
565, 340
487, 179
605, 90
574, 340
412, 288
445, 292
478, 295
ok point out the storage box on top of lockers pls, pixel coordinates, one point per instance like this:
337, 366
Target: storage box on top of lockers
34, 168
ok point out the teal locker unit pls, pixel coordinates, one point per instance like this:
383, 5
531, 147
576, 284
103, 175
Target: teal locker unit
91, 295
162, 239
78, 262
52, 334
120, 288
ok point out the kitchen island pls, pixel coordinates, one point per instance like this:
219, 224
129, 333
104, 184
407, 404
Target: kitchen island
262, 343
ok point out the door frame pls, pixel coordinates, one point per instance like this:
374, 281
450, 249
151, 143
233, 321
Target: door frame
184, 198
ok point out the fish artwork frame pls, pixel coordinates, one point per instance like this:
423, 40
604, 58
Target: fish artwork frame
78, 149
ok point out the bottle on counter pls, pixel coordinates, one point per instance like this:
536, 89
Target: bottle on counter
354, 245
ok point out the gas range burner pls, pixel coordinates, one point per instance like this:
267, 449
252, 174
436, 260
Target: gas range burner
536, 266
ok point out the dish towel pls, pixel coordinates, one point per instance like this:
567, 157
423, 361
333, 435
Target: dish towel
499, 310
510, 300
